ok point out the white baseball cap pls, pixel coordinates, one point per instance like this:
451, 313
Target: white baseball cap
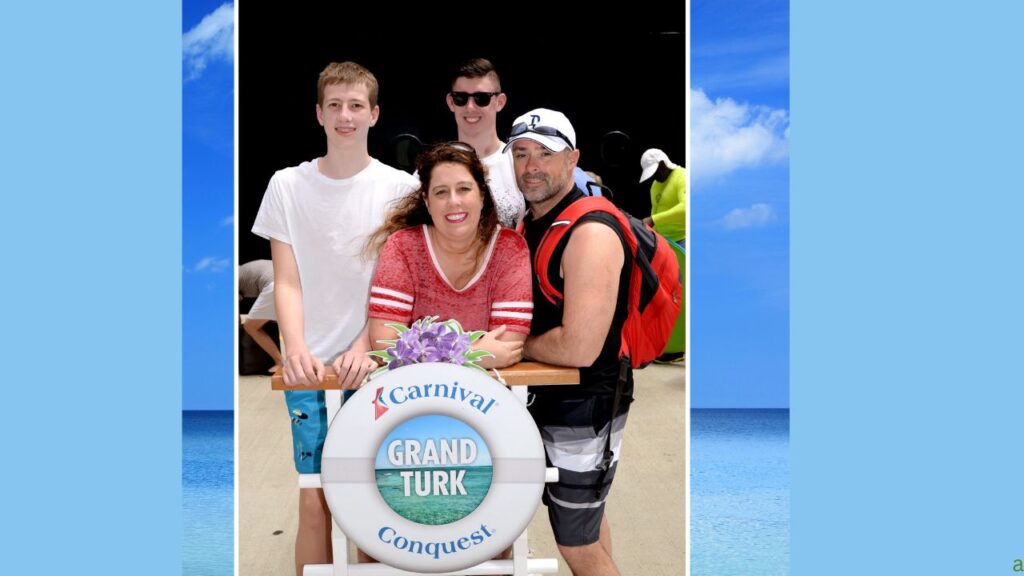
548, 128
649, 163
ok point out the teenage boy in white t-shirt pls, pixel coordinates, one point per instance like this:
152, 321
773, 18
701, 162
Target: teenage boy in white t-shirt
317, 216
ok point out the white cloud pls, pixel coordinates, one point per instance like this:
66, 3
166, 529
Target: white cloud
729, 136
212, 264
228, 221
210, 40
757, 215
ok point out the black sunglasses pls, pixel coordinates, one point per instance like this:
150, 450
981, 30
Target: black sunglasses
480, 98
523, 128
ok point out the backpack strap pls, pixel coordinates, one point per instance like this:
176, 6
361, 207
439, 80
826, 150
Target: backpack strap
604, 190
620, 384
553, 243
563, 223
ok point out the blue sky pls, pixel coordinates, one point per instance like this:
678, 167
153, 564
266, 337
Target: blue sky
739, 203
207, 206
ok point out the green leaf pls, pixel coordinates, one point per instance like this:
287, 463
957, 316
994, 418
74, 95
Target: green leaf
471, 365
425, 322
454, 326
475, 335
400, 328
477, 355
382, 354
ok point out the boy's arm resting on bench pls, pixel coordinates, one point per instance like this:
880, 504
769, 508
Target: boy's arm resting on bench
300, 367
353, 365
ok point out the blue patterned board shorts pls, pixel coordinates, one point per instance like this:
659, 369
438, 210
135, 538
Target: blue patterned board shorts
308, 414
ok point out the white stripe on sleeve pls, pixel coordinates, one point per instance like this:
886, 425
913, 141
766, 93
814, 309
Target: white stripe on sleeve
392, 293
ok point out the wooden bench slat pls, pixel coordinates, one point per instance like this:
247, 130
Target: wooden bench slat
521, 374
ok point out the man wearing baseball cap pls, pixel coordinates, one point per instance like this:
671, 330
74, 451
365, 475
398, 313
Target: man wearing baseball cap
668, 218
668, 194
584, 332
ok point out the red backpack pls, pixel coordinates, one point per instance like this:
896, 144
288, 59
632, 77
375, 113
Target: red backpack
655, 289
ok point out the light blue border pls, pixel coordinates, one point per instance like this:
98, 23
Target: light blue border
907, 286
90, 124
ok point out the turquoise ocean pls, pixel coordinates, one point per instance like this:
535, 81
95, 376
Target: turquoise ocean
439, 509
740, 495
207, 492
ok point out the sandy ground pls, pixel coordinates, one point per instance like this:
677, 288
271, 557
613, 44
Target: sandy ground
645, 508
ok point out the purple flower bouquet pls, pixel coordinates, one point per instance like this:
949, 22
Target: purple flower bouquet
430, 341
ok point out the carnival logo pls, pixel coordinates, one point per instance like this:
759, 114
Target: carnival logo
379, 408
402, 394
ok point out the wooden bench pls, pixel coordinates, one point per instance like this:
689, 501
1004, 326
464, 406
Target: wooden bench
521, 374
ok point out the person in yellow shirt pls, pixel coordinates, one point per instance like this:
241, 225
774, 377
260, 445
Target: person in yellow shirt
668, 218
668, 195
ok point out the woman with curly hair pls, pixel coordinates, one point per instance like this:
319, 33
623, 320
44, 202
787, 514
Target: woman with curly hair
443, 253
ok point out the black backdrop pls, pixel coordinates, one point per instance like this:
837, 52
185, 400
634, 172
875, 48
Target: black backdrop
621, 72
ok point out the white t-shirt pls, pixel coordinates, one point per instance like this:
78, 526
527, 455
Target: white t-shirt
501, 177
263, 307
256, 279
327, 222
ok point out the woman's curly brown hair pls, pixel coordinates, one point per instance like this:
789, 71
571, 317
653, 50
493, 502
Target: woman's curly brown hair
412, 210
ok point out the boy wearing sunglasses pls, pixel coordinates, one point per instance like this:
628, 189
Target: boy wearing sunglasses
475, 99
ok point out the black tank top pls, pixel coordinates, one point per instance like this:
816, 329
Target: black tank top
600, 377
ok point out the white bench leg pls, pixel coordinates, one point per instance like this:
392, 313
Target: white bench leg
339, 544
520, 555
